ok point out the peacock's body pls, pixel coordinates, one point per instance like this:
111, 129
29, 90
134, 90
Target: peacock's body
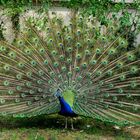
66, 104
88, 62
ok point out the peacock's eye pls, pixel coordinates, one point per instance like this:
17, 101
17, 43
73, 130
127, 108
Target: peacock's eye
45, 62
93, 62
60, 44
54, 52
98, 51
77, 69
10, 92
63, 68
56, 64
84, 65
42, 51
69, 50
6, 83
19, 76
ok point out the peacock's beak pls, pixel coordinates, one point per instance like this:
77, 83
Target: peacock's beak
57, 93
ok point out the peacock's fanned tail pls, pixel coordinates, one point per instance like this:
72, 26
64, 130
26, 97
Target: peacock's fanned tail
85, 57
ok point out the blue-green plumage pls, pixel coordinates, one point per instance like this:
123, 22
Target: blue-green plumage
66, 109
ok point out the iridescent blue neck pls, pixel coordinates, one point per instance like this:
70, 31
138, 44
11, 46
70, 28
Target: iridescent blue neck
66, 110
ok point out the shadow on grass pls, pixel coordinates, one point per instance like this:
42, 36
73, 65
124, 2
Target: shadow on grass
57, 122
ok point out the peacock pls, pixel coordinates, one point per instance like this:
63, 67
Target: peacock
80, 69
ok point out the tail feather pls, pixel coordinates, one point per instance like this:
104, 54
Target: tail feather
85, 56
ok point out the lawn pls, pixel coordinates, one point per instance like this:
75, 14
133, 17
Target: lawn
52, 128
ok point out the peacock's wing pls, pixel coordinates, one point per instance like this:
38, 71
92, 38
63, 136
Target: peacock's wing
85, 59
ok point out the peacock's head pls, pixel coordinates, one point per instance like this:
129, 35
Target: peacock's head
58, 93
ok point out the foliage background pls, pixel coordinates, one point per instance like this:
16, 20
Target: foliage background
98, 8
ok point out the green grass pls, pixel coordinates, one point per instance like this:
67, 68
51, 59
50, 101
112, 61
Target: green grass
52, 128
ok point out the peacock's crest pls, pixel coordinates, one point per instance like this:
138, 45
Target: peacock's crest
88, 61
